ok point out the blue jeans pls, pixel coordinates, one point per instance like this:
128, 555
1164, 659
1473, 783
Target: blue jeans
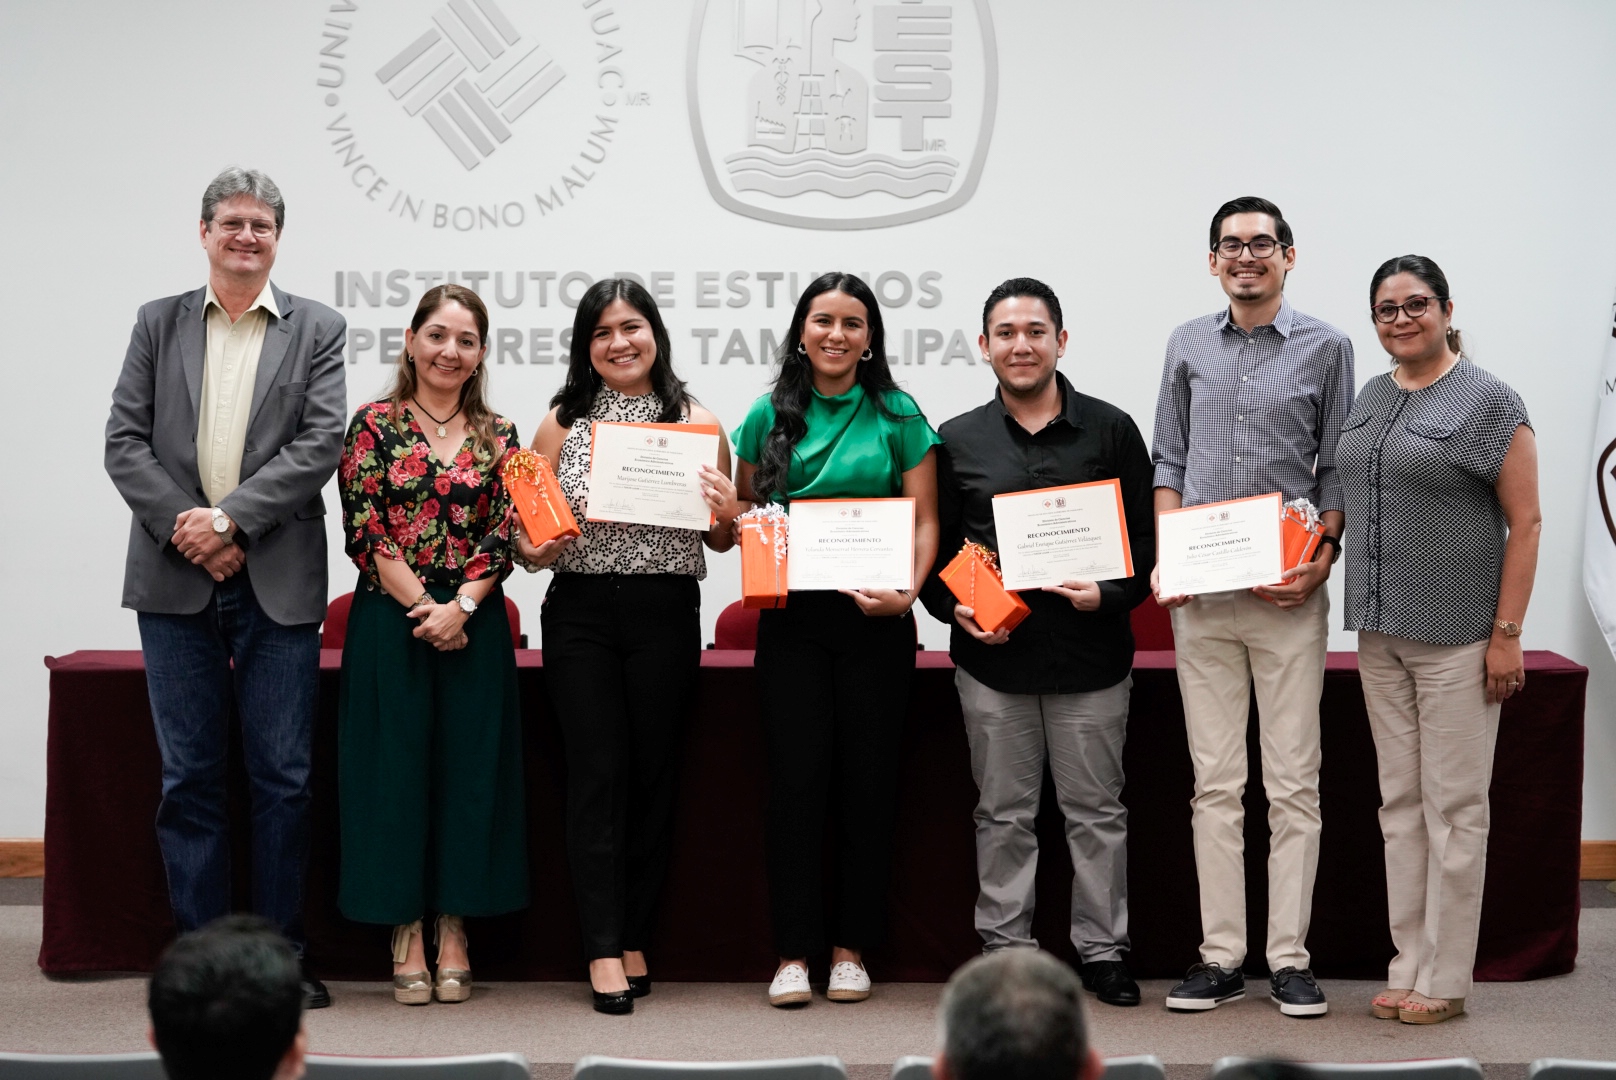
196, 666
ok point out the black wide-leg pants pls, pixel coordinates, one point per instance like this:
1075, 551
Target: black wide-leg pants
621, 657
835, 691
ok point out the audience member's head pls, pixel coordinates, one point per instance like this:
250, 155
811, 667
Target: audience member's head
227, 1001
1014, 1015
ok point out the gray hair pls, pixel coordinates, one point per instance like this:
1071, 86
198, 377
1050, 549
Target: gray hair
250, 182
1015, 1014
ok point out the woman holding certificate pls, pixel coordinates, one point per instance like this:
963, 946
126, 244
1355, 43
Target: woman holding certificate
622, 619
1439, 466
836, 664
429, 736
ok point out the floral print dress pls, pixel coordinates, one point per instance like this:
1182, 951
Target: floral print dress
451, 523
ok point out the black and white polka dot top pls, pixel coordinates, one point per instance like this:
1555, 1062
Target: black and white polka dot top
615, 547
1425, 533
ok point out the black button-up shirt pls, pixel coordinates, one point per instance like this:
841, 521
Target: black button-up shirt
1056, 649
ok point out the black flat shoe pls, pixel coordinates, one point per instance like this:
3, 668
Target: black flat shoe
639, 985
1109, 981
616, 1003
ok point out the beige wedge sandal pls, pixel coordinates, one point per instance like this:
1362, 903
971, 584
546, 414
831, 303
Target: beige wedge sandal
409, 987
451, 984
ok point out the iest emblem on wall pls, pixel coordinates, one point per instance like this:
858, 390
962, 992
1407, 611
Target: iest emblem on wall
841, 114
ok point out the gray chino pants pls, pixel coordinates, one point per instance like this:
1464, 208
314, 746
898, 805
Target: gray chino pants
1081, 735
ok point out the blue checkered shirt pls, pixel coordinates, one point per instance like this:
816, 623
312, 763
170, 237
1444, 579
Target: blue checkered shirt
1245, 414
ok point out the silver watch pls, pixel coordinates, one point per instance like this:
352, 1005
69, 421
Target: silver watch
221, 525
467, 604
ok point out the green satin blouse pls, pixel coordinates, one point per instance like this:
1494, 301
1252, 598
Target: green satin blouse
850, 451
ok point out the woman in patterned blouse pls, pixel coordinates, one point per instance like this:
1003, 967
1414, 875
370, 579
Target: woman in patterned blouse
429, 733
1439, 467
622, 634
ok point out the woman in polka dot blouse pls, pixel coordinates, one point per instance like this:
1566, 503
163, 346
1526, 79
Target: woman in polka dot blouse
1439, 465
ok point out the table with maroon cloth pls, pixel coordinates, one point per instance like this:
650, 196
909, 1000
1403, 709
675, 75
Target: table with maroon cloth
106, 905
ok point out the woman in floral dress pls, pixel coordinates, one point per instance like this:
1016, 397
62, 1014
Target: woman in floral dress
429, 733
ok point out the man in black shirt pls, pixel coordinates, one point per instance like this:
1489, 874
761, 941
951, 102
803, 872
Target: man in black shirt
1057, 685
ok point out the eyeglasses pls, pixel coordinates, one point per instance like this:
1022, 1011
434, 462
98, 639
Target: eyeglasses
1413, 307
233, 226
1261, 247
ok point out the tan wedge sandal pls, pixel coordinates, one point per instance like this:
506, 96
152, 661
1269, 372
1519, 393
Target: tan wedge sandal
1453, 1007
1384, 1005
409, 987
451, 984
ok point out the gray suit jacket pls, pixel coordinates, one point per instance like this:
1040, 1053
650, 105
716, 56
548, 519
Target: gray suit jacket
294, 440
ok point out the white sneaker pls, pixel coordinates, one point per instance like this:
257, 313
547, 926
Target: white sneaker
848, 982
790, 986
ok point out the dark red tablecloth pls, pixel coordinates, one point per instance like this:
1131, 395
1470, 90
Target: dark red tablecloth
106, 906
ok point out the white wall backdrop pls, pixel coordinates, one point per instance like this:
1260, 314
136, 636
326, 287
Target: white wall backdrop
1479, 133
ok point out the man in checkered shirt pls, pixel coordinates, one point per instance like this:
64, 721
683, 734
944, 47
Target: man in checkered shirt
1252, 401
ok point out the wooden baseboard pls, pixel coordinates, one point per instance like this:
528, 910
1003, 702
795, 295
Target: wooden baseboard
1599, 860
26, 858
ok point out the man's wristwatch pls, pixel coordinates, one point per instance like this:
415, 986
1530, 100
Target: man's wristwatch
1334, 542
1510, 629
467, 604
221, 525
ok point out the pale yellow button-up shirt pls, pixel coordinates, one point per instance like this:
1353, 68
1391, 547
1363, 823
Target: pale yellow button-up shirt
227, 388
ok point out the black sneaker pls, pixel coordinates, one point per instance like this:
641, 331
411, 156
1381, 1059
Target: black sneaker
1109, 981
1297, 993
1206, 986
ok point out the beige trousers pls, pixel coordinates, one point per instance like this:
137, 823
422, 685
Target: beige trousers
1227, 642
1434, 737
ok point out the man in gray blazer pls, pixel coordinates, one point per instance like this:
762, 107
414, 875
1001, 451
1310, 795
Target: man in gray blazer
226, 422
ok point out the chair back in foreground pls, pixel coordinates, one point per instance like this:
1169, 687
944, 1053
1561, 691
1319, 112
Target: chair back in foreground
597, 1067
466, 1067
1137, 1067
141, 1066
1241, 1068
1563, 1069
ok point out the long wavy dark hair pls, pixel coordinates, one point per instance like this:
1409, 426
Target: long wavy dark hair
577, 395
794, 383
473, 392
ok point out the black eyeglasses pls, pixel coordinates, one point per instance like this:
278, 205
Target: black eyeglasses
1413, 307
1261, 247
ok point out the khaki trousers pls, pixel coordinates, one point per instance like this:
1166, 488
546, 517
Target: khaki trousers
1434, 738
1227, 642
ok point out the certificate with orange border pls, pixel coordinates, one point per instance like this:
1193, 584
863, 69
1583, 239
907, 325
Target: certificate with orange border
1049, 536
1219, 547
650, 474
851, 544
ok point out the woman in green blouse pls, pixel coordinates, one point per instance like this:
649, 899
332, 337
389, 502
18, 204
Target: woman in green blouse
429, 741
835, 666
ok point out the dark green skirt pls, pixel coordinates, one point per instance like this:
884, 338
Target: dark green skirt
429, 754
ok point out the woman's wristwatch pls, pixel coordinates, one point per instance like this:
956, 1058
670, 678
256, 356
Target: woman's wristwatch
467, 605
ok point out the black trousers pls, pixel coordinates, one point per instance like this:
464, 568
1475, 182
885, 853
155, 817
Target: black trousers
621, 657
835, 686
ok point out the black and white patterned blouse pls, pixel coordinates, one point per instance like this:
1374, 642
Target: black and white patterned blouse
1425, 533
616, 547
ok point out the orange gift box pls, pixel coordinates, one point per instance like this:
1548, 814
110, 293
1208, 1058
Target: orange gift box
1299, 530
973, 577
763, 557
538, 498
